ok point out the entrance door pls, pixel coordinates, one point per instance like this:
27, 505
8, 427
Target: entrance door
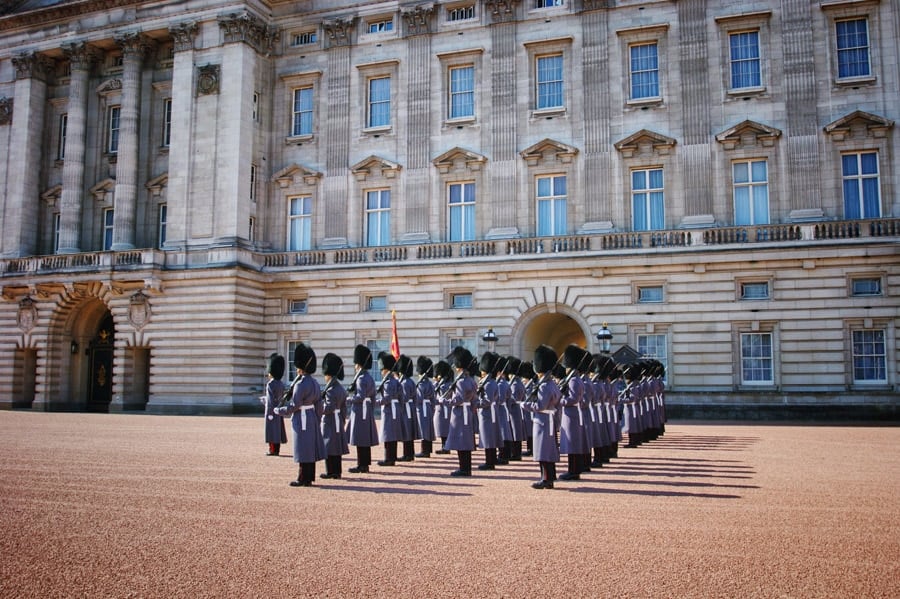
101, 362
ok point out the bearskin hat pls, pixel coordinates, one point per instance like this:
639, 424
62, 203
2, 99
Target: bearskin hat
405, 365
460, 357
443, 370
276, 366
558, 371
332, 365
575, 358
362, 355
488, 362
526, 371
424, 365
386, 361
544, 358
512, 365
305, 358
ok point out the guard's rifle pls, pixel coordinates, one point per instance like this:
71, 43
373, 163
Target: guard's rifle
351, 388
288, 393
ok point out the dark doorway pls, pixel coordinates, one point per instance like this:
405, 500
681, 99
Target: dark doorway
100, 353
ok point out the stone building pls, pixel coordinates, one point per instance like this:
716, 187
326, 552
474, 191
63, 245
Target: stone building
187, 186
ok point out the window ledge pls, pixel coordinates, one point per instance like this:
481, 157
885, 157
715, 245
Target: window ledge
163, 150
375, 131
548, 113
645, 102
296, 140
745, 92
855, 81
464, 120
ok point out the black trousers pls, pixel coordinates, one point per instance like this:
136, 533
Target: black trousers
465, 460
333, 464
363, 457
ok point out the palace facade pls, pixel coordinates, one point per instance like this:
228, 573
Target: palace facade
188, 186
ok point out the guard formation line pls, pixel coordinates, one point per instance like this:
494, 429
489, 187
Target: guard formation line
580, 405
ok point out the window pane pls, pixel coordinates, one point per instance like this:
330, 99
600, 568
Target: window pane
742, 209
462, 92
869, 358
853, 48
866, 287
379, 102
756, 358
549, 81
644, 71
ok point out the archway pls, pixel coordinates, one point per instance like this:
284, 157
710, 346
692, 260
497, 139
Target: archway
91, 367
556, 326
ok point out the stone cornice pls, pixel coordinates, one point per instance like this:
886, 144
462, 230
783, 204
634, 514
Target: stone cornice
42, 16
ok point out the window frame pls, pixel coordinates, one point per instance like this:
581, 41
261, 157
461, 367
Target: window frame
108, 227
550, 48
743, 285
869, 327
744, 23
541, 85
293, 82
462, 207
162, 223
860, 179
62, 126
835, 12
649, 191
167, 123
113, 124
451, 94
455, 60
380, 210
640, 287
553, 198
855, 278
297, 128
463, 6
664, 358
368, 301
306, 218
766, 359
753, 188
637, 36
839, 51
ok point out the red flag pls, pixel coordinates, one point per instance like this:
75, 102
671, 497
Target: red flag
395, 341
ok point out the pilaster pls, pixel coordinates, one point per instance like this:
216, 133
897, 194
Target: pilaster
598, 196
504, 122
340, 218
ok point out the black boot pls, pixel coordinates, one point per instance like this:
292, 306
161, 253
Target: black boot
426, 449
443, 451
529, 449
390, 454
573, 472
465, 464
409, 451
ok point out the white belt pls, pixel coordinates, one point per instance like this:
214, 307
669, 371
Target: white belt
425, 404
409, 410
580, 416
593, 417
366, 403
493, 413
394, 403
303, 411
465, 406
552, 414
337, 422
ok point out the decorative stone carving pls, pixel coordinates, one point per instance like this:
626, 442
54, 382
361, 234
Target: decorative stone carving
81, 55
6, 111
184, 35
208, 80
139, 310
339, 31
250, 29
31, 64
418, 19
135, 44
502, 10
595, 4
27, 314
109, 86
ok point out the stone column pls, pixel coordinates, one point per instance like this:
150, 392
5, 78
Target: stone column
26, 113
134, 47
81, 57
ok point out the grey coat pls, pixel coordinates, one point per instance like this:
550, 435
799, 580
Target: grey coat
461, 434
361, 420
543, 409
305, 409
335, 397
275, 431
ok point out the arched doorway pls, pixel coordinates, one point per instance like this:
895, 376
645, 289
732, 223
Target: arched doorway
557, 327
91, 336
100, 366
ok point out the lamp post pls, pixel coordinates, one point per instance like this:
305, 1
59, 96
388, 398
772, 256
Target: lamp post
490, 337
604, 338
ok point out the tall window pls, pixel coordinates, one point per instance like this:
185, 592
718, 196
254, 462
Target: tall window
56, 221
303, 111
112, 129
869, 356
61, 147
654, 346
378, 217
462, 211
745, 65
379, 102
644, 67
853, 48
751, 192
300, 224
167, 122
861, 185
756, 359
462, 92
647, 200
108, 215
254, 180
163, 223
551, 205
549, 81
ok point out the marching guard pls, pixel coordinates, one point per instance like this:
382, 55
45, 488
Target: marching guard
409, 421
391, 410
460, 396
572, 434
275, 431
516, 397
334, 397
488, 427
543, 407
443, 375
361, 426
425, 405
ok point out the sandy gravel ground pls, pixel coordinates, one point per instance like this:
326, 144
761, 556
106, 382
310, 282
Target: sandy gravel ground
165, 506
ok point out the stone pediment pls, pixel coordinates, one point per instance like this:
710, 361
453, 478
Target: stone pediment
533, 155
447, 161
156, 184
645, 141
51, 196
858, 123
294, 172
102, 188
109, 86
746, 132
375, 165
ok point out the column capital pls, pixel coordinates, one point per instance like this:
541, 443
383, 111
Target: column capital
81, 55
418, 18
250, 29
134, 44
33, 65
502, 10
339, 30
184, 35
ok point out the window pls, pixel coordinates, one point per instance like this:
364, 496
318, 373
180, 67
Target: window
462, 211
108, 220
304, 38
163, 222
461, 13
647, 199
548, 3
867, 286
549, 79
462, 92
654, 346
551, 205
650, 294
380, 26
255, 107
297, 306
376, 303
376, 346
460, 301
61, 146
756, 359
755, 291
869, 357
379, 102
300, 224
751, 192
302, 112
254, 177
251, 229
852, 48
112, 129
467, 342
861, 185
56, 221
745, 63
167, 123
644, 69
378, 217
